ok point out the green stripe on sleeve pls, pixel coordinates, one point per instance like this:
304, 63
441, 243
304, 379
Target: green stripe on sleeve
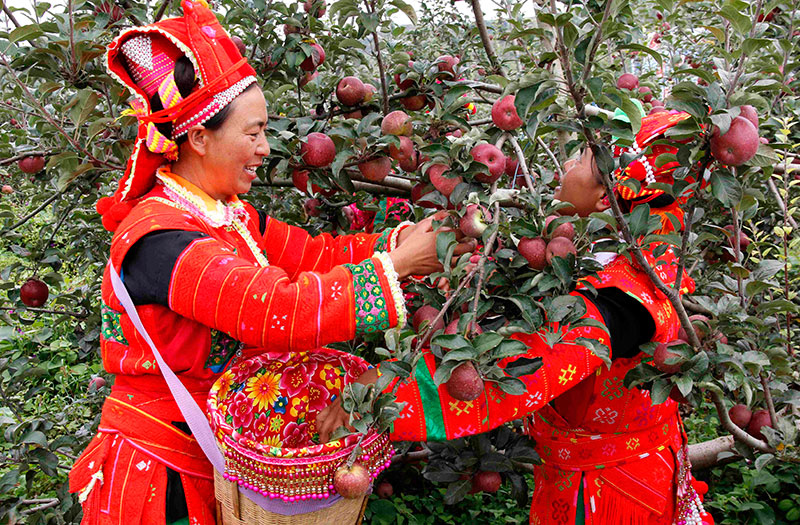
431, 404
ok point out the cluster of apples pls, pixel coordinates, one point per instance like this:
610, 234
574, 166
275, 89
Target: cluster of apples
740, 143
751, 422
351, 92
540, 251
415, 101
630, 82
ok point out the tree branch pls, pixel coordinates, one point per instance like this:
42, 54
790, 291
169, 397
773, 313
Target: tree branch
161, 10
487, 43
522, 164
730, 426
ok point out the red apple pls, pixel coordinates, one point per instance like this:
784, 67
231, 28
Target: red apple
32, 164
628, 81
397, 123
700, 326
34, 293
491, 156
749, 112
473, 223
657, 109
559, 247
289, 29
740, 415
318, 150
114, 12
675, 395
404, 151
484, 481
320, 7
534, 250
647, 95
465, 383
414, 103
317, 57
384, 490
738, 145
445, 185
311, 207
426, 314
351, 482
759, 420
376, 169
350, 91
240, 45
96, 383
308, 77
662, 353
447, 63
452, 326
7, 189
512, 167
369, 92
504, 114
562, 230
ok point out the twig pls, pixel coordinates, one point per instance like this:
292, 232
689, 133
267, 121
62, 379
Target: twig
21, 156
10, 15
487, 43
161, 10
737, 253
694, 307
439, 316
46, 115
78, 315
782, 204
687, 230
34, 212
127, 5
595, 43
523, 165
552, 157
773, 417
379, 58
49, 505
743, 58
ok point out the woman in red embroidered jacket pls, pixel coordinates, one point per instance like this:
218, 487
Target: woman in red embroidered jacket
609, 455
210, 276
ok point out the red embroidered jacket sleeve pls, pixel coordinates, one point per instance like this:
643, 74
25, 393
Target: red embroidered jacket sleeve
268, 307
432, 414
295, 250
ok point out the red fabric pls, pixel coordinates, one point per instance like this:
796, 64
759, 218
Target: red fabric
132, 451
218, 66
596, 431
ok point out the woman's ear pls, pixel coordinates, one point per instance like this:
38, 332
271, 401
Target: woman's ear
198, 140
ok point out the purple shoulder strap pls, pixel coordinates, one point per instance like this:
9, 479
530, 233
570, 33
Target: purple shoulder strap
196, 419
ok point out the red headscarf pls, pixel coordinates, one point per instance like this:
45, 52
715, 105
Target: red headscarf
143, 60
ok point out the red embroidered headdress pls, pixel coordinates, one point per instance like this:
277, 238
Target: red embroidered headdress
645, 170
143, 60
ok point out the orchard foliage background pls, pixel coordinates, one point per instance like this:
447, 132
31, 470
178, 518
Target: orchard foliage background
705, 57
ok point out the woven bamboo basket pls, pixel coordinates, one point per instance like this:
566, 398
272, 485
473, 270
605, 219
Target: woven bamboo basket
263, 412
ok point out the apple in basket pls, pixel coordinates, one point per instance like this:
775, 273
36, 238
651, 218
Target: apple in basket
351, 482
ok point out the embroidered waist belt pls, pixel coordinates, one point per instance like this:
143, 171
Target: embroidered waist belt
577, 451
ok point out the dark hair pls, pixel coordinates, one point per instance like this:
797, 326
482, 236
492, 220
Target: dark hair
185, 80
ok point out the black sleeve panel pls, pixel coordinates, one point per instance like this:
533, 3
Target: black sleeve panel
262, 221
628, 321
147, 267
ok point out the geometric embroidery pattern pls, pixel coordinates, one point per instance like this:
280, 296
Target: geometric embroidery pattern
371, 312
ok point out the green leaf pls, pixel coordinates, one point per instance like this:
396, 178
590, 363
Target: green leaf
725, 188
487, 341
406, 9
457, 491
644, 49
523, 366
28, 32
509, 348
451, 341
445, 245
454, 95
765, 156
639, 220
512, 386
740, 22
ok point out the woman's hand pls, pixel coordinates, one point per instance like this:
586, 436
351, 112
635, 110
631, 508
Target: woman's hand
416, 248
334, 416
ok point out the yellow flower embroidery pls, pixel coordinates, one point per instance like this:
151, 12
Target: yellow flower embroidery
263, 390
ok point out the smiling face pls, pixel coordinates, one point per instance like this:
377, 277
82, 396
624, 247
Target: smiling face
581, 186
223, 162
